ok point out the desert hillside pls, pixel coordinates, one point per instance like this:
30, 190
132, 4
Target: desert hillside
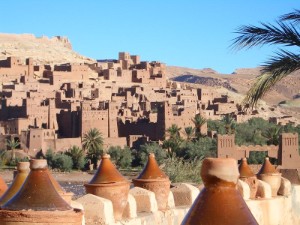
53, 50
240, 81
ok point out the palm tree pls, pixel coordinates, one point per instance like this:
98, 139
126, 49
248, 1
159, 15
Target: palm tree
77, 155
286, 33
93, 143
198, 121
229, 123
189, 131
174, 131
272, 135
12, 144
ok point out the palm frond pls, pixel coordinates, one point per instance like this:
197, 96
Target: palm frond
250, 36
283, 63
294, 17
273, 71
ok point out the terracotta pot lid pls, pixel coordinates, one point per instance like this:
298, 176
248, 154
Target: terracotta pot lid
23, 171
244, 169
37, 192
267, 167
107, 172
152, 170
23, 167
215, 170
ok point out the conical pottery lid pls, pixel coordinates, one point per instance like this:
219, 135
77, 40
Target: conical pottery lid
219, 202
244, 169
267, 167
219, 170
56, 185
37, 193
3, 186
107, 172
152, 170
22, 173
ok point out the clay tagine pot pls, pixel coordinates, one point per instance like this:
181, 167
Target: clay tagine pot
219, 202
110, 184
249, 177
67, 196
37, 202
270, 175
154, 179
21, 175
3, 186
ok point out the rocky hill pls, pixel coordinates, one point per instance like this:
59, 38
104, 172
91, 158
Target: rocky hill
53, 50
240, 81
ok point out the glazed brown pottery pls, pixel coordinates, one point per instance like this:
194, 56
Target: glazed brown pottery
249, 177
67, 196
154, 179
21, 175
110, 184
38, 192
219, 202
270, 175
37, 202
3, 186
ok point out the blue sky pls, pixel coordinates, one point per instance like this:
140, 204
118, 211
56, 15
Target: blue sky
190, 33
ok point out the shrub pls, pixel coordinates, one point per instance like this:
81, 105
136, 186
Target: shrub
203, 147
180, 170
77, 155
141, 155
3, 158
17, 160
62, 162
121, 157
50, 157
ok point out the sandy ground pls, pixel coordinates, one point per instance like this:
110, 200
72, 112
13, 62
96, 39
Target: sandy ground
73, 176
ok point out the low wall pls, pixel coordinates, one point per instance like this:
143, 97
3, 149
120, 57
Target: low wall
142, 208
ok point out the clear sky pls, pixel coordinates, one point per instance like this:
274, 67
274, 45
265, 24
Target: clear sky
190, 33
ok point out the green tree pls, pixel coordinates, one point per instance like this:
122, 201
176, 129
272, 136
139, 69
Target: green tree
229, 124
272, 135
173, 131
93, 143
12, 144
189, 132
121, 157
172, 144
286, 33
198, 121
143, 152
77, 155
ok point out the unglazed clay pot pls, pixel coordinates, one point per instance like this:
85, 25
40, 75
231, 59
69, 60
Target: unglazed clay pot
37, 202
249, 177
270, 175
21, 175
154, 179
110, 184
219, 202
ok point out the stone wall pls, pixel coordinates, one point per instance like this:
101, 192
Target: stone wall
141, 208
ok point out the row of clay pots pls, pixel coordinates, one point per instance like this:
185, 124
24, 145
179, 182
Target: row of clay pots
110, 184
218, 203
34, 198
267, 173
